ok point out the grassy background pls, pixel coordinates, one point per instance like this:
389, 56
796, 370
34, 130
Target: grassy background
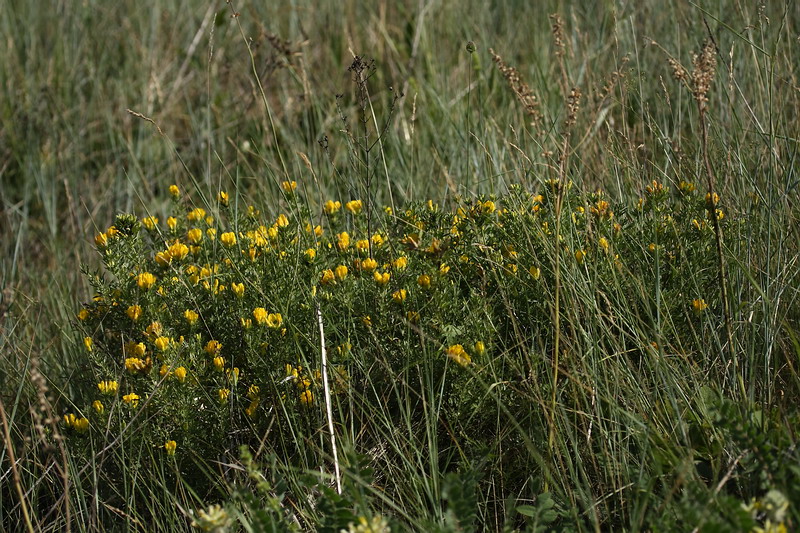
71, 156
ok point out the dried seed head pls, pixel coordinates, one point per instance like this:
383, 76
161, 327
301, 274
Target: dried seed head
557, 25
573, 105
705, 65
678, 72
523, 93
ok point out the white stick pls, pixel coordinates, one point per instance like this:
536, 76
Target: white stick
328, 406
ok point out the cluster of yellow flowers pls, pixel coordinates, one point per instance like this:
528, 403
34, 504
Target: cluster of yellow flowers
227, 302
80, 425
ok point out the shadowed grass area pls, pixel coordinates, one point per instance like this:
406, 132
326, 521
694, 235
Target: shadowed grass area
612, 216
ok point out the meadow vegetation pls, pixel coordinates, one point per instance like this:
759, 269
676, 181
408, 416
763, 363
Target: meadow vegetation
372, 266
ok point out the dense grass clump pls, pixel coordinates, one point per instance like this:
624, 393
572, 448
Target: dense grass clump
399, 266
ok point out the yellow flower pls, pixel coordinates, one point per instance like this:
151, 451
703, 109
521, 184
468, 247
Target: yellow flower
654, 188
251, 409
197, 214
332, 207
260, 314
170, 447
137, 349
289, 186
412, 316
81, 425
274, 320
195, 235
399, 296
131, 399
341, 272
101, 240
108, 387
145, 280
172, 223
190, 316
98, 406
362, 245
282, 221
369, 264
174, 191
291, 371
154, 329
367, 321
180, 374
252, 392
354, 206
535, 272
480, 348
83, 314
223, 198
444, 269
327, 277
381, 279
212, 233
306, 398
135, 364
310, 254
163, 258
228, 239
88, 343
424, 281
603, 243
487, 207
712, 199
161, 343
213, 347
150, 223
457, 353
233, 375
223, 394
238, 289
580, 255
246, 323
400, 263
219, 363
178, 250
134, 312
343, 241
699, 305
377, 240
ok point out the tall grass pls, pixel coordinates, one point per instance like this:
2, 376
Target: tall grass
606, 403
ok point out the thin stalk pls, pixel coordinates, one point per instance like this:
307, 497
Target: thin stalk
328, 406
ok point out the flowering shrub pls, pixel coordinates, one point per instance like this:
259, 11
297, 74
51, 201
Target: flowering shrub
203, 334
